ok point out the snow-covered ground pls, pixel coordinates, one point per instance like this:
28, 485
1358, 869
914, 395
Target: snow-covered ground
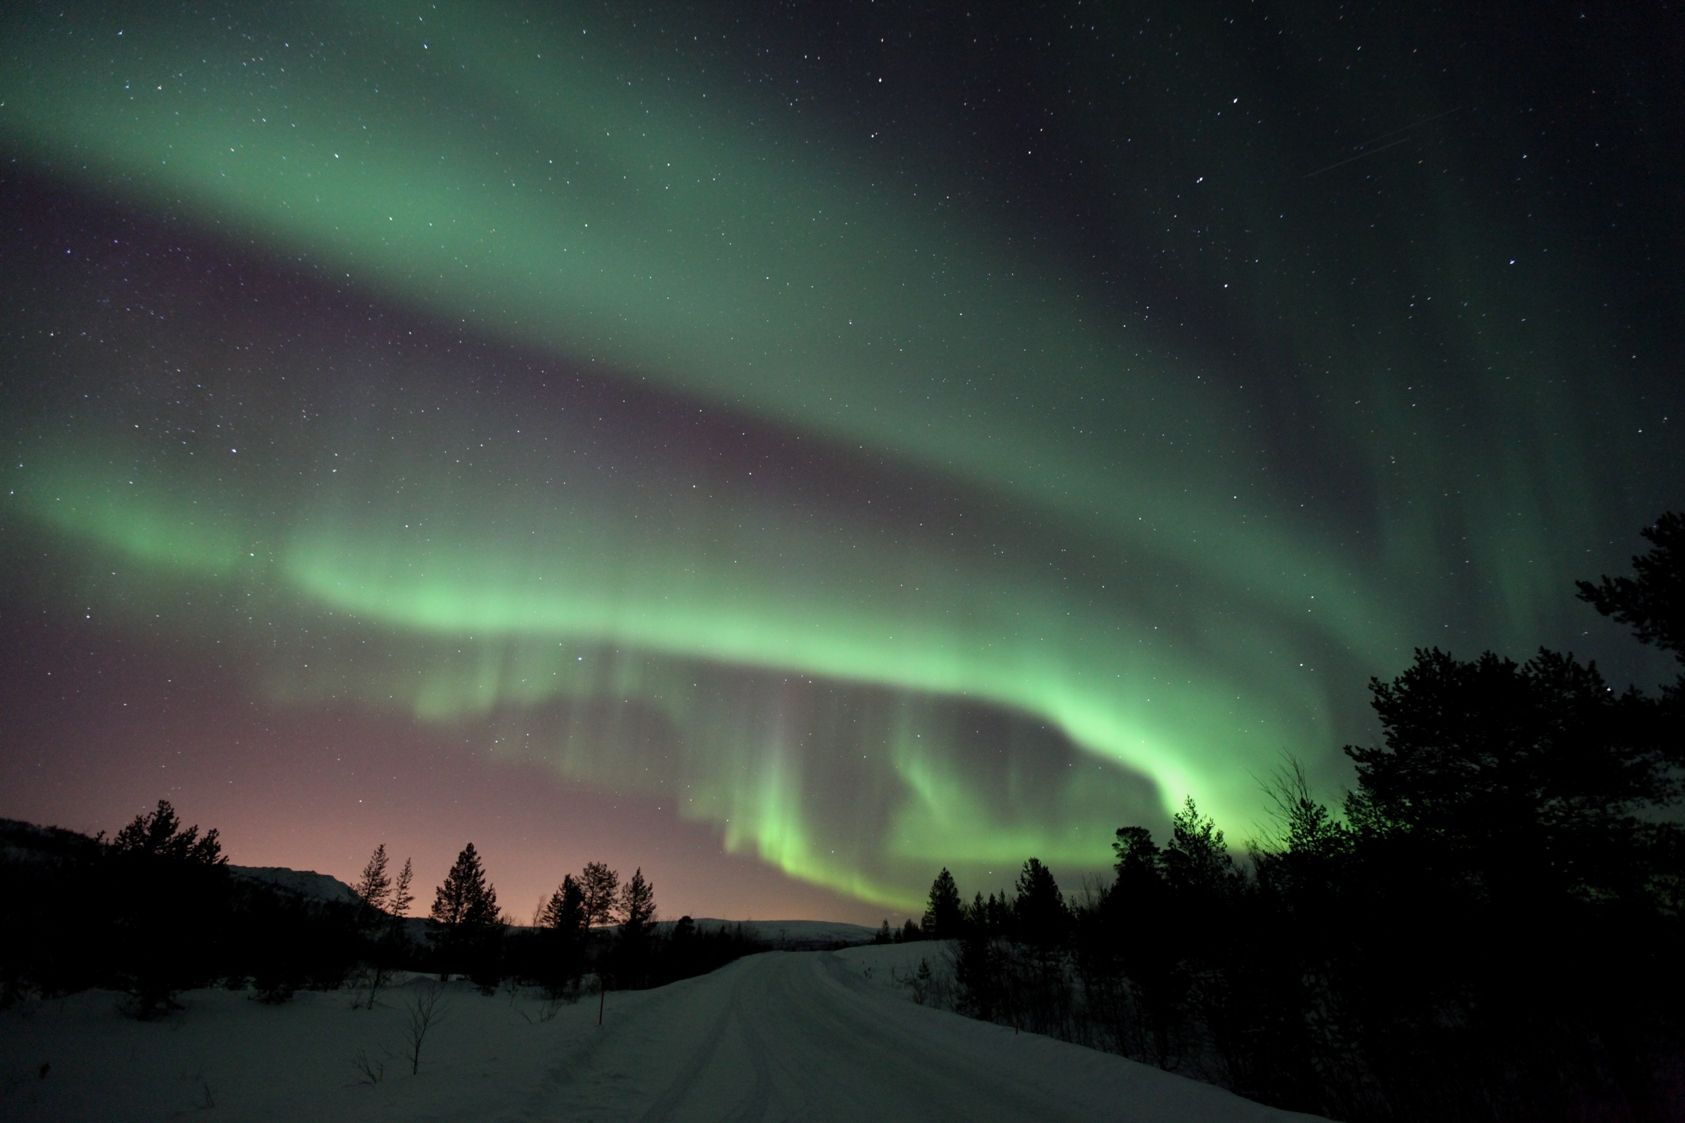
783, 1035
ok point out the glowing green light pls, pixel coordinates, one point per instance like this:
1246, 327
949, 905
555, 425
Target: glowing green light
1133, 592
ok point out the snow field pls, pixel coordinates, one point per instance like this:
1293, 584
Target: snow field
782, 1035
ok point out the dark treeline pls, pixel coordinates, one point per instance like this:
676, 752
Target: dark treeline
592, 924
154, 911
1491, 930
157, 910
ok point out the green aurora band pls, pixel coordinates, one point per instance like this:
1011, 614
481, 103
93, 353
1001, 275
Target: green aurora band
655, 245
669, 625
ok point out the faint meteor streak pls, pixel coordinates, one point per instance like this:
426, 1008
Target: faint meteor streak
1394, 143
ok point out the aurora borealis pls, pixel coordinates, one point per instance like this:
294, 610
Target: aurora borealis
791, 449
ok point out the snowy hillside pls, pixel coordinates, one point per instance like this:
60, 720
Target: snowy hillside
782, 1035
304, 883
28, 842
31, 843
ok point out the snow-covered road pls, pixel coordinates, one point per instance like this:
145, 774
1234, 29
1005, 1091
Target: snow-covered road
805, 1036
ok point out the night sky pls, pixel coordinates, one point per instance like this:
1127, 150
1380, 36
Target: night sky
791, 448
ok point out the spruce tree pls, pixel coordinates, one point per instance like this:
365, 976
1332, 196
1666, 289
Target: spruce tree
637, 918
466, 907
566, 907
1039, 907
637, 905
563, 918
466, 900
944, 914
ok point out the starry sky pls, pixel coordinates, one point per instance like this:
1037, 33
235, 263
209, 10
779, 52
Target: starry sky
790, 448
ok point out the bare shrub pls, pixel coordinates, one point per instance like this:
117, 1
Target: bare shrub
370, 1070
424, 1012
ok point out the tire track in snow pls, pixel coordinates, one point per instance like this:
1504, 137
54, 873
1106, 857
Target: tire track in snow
802, 1036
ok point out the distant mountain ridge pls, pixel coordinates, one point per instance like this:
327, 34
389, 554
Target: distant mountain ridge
303, 883
23, 841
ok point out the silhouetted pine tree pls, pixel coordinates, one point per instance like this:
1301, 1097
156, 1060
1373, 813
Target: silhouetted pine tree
1203, 883
374, 884
1652, 601
170, 897
1039, 907
600, 886
633, 948
1197, 860
566, 907
1486, 760
382, 903
1037, 988
465, 899
637, 905
398, 904
944, 914
161, 835
465, 908
1509, 801
1147, 947
563, 954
